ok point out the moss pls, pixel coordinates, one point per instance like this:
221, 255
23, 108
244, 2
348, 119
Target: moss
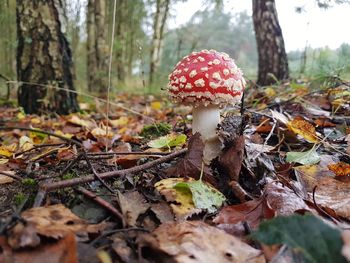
155, 130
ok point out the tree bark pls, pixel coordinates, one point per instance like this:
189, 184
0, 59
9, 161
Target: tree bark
159, 21
97, 48
44, 59
273, 62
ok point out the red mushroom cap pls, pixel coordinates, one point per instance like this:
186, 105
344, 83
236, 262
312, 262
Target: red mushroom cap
206, 77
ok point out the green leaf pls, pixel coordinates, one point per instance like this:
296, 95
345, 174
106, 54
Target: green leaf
308, 235
204, 196
168, 141
178, 140
309, 157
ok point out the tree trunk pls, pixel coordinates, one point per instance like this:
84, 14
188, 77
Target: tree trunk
159, 20
97, 48
120, 40
273, 62
44, 59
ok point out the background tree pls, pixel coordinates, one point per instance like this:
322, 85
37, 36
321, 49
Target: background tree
273, 61
97, 48
43, 58
159, 21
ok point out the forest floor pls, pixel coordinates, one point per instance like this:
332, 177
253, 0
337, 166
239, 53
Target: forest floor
73, 188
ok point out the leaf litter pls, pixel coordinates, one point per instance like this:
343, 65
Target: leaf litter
282, 176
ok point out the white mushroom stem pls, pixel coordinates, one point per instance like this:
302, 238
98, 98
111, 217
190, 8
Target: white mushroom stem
205, 121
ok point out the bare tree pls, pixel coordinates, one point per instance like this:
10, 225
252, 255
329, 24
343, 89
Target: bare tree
159, 21
97, 48
44, 58
273, 62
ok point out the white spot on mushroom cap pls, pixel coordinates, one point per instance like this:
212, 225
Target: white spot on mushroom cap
183, 79
214, 85
216, 61
188, 86
216, 76
185, 69
199, 83
201, 59
226, 71
193, 73
204, 69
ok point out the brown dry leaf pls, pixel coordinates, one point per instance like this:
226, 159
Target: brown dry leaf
56, 221
195, 241
191, 164
163, 212
132, 204
76, 120
323, 122
231, 160
283, 199
304, 129
6, 179
64, 250
66, 154
340, 168
253, 212
330, 192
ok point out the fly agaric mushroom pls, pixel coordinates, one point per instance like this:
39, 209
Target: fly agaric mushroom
208, 80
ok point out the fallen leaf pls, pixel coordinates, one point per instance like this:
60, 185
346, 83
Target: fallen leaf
308, 157
25, 143
180, 200
196, 241
204, 196
6, 179
56, 221
168, 141
231, 160
120, 122
132, 204
63, 250
340, 168
252, 212
330, 192
307, 235
304, 129
156, 105
191, 164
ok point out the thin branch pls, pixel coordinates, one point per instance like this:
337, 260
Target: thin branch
72, 182
96, 174
101, 202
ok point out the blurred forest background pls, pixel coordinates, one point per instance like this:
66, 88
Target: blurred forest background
146, 49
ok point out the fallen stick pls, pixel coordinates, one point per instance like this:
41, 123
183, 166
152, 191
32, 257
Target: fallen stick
47, 187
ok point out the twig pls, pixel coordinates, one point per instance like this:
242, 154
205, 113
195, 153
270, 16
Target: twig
72, 182
96, 174
39, 198
101, 202
43, 132
127, 153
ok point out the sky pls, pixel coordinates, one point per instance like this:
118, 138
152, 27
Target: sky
315, 26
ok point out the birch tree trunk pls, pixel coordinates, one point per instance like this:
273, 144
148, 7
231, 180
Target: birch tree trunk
273, 62
44, 58
97, 48
159, 21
